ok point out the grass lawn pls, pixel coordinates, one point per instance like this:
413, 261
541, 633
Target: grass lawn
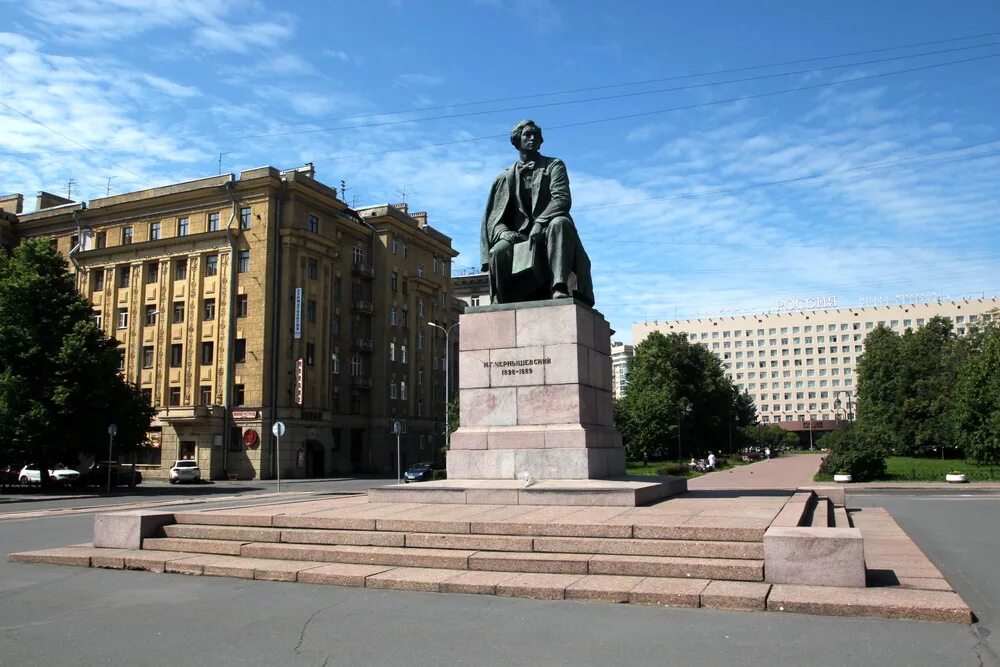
910, 468
637, 468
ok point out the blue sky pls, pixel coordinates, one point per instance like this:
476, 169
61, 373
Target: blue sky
720, 158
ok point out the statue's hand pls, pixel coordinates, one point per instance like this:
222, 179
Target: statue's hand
537, 231
512, 237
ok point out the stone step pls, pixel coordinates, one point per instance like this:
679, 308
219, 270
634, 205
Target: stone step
841, 518
636, 547
686, 591
822, 514
455, 559
652, 529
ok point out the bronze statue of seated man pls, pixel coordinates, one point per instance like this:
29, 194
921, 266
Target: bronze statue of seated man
529, 243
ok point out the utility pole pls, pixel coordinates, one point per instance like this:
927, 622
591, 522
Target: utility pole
107, 192
69, 188
343, 190
220, 162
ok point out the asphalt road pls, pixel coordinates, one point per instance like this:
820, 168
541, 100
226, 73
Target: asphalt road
67, 616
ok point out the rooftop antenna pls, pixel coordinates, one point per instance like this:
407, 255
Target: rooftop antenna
69, 188
107, 192
220, 162
402, 194
343, 190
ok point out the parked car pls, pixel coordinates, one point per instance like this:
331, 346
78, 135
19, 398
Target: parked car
59, 474
420, 472
185, 470
10, 474
97, 475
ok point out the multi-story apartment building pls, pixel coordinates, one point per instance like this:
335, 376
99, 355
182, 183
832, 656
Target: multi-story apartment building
621, 357
799, 366
242, 301
472, 288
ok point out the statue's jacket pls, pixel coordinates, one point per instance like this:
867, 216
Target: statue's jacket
550, 198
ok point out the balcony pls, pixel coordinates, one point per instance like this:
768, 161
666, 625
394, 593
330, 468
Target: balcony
364, 306
364, 344
362, 269
361, 381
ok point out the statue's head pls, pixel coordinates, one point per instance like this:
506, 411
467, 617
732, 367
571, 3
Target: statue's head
515, 134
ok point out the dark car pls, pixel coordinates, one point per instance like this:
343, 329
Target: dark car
420, 472
10, 474
97, 475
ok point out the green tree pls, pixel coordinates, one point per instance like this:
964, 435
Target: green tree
851, 451
674, 384
59, 380
879, 392
975, 409
927, 369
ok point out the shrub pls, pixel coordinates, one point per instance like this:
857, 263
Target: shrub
853, 454
673, 469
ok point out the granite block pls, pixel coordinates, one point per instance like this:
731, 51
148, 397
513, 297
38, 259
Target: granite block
605, 588
735, 595
814, 556
552, 325
219, 547
551, 404
529, 562
538, 586
477, 542
239, 533
517, 438
476, 582
517, 367
568, 364
75, 556
489, 407
341, 574
470, 438
352, 537
668, 592
126, 530
602, 334
474, 369
410, 579
485, 331
897, 603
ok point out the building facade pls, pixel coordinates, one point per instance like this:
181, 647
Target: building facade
621, 357
242, 301
799, 366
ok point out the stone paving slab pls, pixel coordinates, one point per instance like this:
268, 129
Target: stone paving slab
893, 603
341, 574
735, 595
479, 582
668, 592
410, 579
538, 586
663, 566
603, 587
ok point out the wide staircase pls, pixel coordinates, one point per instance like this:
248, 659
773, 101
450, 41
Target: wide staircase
470, 549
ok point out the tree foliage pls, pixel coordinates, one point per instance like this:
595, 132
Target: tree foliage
975, 408
59, 382
676, 384
854, 452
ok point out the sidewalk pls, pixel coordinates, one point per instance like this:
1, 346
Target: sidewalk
784, 472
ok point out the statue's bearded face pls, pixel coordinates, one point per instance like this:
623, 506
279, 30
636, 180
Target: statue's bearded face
531, 139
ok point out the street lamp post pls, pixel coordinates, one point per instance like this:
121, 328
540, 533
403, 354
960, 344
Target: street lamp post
447, 385
683, 407
837, 403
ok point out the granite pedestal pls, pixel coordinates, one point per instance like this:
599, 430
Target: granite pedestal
536, 406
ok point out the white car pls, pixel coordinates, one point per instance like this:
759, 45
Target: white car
185, 471
60, 474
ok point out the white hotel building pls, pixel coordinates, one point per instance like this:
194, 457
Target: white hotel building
799, 365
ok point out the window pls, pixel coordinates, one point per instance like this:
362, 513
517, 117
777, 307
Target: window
180, 269
310, 354
101, 240
178, 312
207, 352
245, 217
243, 261
337, 287
211, 265
208, 309
183, 225
402, 353
126, 235
394, 281
174, 396
420, 307
204, 395
392, 316
150, 313
123, 318
176, 355
97, 280
420, 270
395, 244
154, 231
356, 365
123, 276
312, 269
392, 390
314, 224
147, 356
335, 363
242, 305
213, 222
392, 351
474, 301
335, 325
240, 350
402, 389
402, 321
239, 394
311, 310
359, 255
406, 248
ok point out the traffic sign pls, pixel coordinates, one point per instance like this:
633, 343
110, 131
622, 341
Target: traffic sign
278, 429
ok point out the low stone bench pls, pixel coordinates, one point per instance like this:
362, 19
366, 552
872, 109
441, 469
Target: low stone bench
814, 556
126, 530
